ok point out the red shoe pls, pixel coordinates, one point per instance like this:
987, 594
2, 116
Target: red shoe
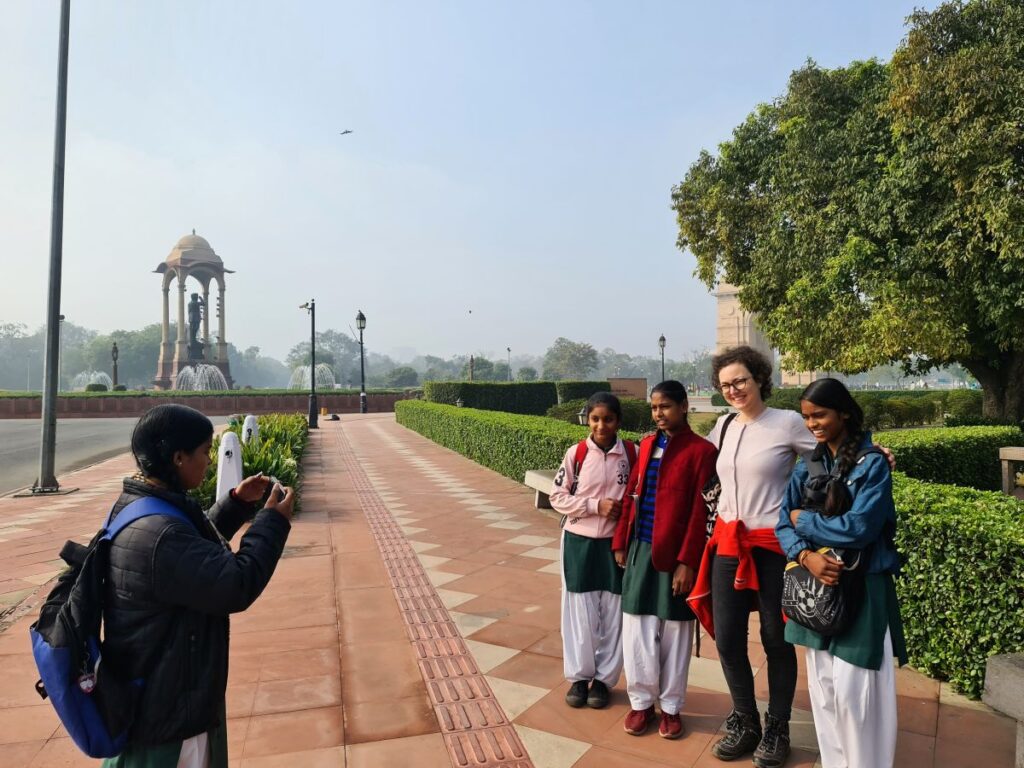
671, 726
637, 721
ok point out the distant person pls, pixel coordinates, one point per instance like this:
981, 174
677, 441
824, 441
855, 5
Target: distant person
850, 676
172, 586
588, 491
658, 541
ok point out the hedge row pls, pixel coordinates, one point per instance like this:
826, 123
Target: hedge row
967, 456
527, 397
961, 589
575, 390
962, 586
636, 414
510, 444
277, 452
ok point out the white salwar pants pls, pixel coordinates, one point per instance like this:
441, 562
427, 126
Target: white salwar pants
854, 710
591, 634
195, 752
657, 660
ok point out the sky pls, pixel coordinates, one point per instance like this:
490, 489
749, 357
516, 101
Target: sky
507, 180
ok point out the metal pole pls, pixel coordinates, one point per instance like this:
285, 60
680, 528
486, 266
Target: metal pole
47, 480
313, 419
509, 350
662, 363
362, 375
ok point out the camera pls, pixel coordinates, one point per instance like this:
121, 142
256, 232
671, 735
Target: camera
270, 495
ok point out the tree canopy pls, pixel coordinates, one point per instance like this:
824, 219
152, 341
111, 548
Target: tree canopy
874, 213
567, 359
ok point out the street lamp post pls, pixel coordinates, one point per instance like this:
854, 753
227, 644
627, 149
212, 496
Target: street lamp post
661, 343
509, 350
361, 325
60, 351
113, 357
310, 306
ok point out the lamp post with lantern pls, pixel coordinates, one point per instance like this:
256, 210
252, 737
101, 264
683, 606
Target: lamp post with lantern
310, 306
661, 343
113, 357
361, 325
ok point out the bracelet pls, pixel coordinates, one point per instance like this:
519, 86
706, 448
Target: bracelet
801, 557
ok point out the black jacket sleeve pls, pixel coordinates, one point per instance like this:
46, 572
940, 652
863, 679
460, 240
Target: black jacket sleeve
205, 576
230, 514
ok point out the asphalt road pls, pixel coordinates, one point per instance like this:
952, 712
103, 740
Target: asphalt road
80, 442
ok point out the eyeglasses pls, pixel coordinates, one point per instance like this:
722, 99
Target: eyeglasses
736, 385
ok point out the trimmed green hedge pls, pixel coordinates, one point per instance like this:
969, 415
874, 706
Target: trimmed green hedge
574, 390
508, 443
967, 456
636, 414
527, 397
962, 587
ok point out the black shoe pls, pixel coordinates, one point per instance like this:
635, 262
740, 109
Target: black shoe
577, 694
598, 696
742, 735
774, 747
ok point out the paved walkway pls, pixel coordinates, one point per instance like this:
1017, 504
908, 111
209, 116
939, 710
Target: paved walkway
413, 621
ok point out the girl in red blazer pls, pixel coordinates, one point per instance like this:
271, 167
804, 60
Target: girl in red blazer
659, 541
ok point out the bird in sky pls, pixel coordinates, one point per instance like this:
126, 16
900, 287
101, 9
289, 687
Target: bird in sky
345, 131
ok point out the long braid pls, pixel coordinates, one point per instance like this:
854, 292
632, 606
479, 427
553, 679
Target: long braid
846, 457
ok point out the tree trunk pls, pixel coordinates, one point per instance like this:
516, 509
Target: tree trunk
1002, 387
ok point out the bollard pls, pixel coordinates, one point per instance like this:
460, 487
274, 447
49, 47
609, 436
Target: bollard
229, 464
250, 429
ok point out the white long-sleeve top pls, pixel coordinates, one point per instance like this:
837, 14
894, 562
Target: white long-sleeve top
755, 463
602, 476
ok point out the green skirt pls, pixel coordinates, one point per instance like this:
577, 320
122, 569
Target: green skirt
166, 755
589, 565
647, 591
861, 644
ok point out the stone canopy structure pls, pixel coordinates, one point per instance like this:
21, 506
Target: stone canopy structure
192, 257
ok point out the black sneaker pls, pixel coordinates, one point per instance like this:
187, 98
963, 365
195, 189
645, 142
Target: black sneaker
577, 694
774, 747
598, 696
742, 735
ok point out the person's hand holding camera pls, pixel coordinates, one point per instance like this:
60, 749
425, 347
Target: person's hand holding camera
282, 501
253, 488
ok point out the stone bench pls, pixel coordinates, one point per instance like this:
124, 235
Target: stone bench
1012, 460
1004, 691
540, 480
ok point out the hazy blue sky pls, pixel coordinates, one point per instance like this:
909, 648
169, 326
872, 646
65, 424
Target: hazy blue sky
510, 158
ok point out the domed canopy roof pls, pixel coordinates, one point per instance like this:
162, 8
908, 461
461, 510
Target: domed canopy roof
193, 253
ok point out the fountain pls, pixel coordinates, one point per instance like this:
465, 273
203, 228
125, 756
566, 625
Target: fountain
83, 379
324, 377
196, 377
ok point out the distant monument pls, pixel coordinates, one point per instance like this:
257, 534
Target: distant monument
192, 257
737, 326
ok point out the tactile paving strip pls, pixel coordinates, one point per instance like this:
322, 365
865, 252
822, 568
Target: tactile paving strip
476, 730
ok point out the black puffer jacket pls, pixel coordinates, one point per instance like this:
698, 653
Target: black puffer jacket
170, 591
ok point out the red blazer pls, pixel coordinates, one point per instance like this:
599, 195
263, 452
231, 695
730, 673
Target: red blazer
679, 513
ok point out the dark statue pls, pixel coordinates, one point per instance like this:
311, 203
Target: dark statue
195, 317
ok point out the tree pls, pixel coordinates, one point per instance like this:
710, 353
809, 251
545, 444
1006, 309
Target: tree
403, 376
873, 213
501, 371
569, 360
483, 369
526, 373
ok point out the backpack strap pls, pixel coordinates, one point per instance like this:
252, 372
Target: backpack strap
630, 448
147, 506
725, 428
577, 465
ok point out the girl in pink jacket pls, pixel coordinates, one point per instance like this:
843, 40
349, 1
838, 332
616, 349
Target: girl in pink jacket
588, 490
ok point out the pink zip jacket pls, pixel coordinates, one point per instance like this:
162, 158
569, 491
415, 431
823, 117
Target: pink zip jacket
602, 476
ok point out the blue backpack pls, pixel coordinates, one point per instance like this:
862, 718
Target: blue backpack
94, 705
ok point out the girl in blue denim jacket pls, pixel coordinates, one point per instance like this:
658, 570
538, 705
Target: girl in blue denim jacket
850, 677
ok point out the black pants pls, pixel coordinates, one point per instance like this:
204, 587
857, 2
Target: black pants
732, 616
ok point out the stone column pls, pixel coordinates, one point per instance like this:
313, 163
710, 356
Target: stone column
181, 349
208, 353
222, 343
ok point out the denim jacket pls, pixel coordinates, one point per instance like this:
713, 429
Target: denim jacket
870, 485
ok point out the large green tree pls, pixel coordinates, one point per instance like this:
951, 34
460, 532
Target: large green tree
567, 359
874, 213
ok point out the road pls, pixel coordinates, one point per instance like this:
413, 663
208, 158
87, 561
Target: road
80, 442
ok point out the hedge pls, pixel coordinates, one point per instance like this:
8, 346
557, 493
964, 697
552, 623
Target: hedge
277, 452
508, 443
636, 414
575, 390
526, 397
962, 586
967, 456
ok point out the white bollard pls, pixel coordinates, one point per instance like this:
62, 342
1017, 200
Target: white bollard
229, 464
250, 429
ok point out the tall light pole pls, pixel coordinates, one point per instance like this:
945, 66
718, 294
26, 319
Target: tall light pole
361, 325
310, 306
47, 480
60, 351
113, 357
509, 350
661, 343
